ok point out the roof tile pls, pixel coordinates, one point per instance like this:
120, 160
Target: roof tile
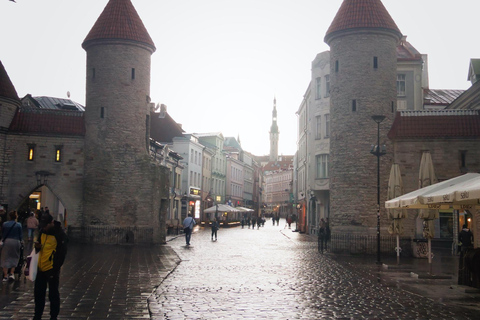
58, 122
439, 124
361, 14
440, 97
119, 20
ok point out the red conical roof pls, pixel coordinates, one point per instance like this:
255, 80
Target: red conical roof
119, 20
7, 90
355, 14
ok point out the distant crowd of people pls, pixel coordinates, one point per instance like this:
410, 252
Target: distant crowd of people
252, 221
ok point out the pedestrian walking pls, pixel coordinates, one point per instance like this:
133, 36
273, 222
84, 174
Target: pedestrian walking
215, 225
466, 239
52, 248
289, 221
253, 223
273, 220
321, 235
243, 222
259, 222
12, 241
32, 225
188, 224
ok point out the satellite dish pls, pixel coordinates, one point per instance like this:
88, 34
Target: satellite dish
68, 94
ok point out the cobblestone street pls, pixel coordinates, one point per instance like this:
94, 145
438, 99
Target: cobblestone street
271, 273
274, 273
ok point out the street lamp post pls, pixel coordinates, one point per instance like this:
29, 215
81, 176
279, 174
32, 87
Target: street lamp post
378, 152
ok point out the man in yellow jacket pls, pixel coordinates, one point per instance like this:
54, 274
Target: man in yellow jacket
52, 246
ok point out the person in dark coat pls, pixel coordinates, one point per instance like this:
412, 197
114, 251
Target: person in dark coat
466, 238
215, 225
321, 235
327, 234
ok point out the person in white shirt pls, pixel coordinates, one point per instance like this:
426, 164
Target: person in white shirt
188, 224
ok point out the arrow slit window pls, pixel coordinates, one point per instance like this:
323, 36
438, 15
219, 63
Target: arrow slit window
58, 153
31, 151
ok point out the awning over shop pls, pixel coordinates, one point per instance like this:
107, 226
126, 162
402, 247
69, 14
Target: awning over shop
242, 209
221, 208
462, 192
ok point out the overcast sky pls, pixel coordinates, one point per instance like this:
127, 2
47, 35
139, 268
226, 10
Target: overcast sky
220, 63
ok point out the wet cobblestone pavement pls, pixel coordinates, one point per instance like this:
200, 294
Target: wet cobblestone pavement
271, 273
274, 273
97, 282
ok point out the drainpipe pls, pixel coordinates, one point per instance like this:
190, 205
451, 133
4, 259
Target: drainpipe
174, 184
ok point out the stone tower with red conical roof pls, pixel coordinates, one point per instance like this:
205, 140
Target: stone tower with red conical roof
362, 39
122, 187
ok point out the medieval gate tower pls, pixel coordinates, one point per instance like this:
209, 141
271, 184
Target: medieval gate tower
362, 39
122, 186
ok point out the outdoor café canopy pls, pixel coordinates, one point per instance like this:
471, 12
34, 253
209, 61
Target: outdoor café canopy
243, 209
460, 192
221, 208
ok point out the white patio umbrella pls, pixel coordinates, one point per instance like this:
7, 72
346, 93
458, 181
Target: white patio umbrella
429, 197
395, 189
221, 208
461, 190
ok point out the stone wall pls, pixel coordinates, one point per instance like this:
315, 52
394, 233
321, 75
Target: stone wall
65, 178
447, 164
123, 187
353, 171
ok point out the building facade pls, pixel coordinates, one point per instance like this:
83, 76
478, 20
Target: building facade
191, 151
373, 71
96, 165
215, 142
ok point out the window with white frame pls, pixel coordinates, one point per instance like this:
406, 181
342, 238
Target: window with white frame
322, 166
327, 125
401, 85
318, 127
318, 90
327, 85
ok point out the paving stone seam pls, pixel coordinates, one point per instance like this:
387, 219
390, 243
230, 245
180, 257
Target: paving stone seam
153, 294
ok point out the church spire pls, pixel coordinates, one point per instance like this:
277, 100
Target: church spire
274, 133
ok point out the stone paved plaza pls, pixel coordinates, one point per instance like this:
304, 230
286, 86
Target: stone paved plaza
274, 273
270, 273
